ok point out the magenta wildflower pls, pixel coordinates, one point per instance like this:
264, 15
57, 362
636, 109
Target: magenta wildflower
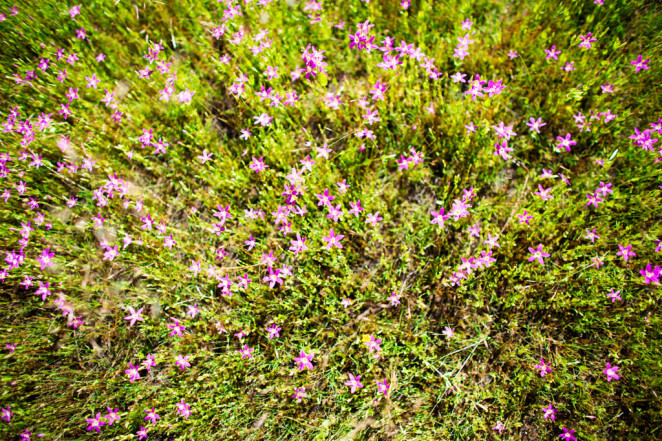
183, 409
590, 235
6, 414
537, 254
258, 165
133, 373
299, 394
192, 310
383, 387
587, 40
552, 53
134, 316
544, 367
176, 327
333, 240
567, 435
373, 219
304, 360
149, 362
273, 278
354, 383
152, 416
640, 64
549, 412
597, 262
625, 252
565, 142
610, 372
438, 217
525, 217
95, 423
246, 352
45, 259
373, 345
273, 331
614, 295
112, 416
651, 275
142, 433
535, 124
43, 291
182, 361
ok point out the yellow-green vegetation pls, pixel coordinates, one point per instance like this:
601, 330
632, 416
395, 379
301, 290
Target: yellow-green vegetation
260, 219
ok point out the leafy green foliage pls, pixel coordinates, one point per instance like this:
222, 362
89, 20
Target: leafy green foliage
505, 317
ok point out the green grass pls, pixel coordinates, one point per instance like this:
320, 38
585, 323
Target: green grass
506, 317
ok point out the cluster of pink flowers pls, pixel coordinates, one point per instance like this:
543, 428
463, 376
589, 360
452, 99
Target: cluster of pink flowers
314, 61
117, 211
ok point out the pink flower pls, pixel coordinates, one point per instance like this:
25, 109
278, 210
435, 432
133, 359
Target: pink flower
373, 219
354, 383
568, 435
524, 217
182, 361
273, 331
550, 412
614, 295
597, 262
133, 373
152, 416
176, 327
149, 362
112, 415
586, 41
552, 53
304, 360
537, 254
95, 423
183, 409
438, 217
134, 316
263, 120
565, 142
185, 96
246, 352
142, 433
394, 298
258, 165
651, 275
299, 394
383, 386
544, 367
43, 291
640, 64
625, 252
535, 124
6, 414
45, 258
610, 372
333, 240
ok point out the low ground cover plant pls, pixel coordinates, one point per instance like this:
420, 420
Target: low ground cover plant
273, 219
